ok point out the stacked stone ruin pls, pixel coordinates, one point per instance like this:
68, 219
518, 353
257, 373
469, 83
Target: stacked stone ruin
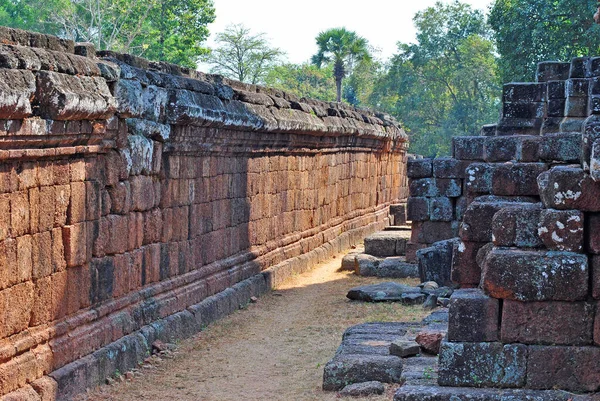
525, 323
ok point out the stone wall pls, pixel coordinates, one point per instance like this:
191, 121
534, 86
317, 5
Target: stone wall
142, 201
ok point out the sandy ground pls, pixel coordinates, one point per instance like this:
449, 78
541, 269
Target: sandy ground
274, 349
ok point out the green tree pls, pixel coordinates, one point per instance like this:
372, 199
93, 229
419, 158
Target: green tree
304, 80
446, 83
530, 31
242, 55
343, 49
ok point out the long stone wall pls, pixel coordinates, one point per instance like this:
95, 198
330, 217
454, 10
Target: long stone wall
142, 201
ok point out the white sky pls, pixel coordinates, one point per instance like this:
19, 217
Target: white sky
293, 25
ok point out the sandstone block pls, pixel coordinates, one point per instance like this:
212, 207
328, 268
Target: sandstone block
447, 167
552, 71
465, 266
486, 364
479, 178
17, 88
517, 179
524, 92
517, 226
349, 369
419, 168
562, 230
468, 147
477, 221
567, 188
428, 232
547, 323
441, 209
435, 262
561, 147
418, 208
535, 275
473, 317
75, 244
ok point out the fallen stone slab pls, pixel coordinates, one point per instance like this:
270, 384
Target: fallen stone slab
379, 328
437, 393
363, 389
420, 370
430, 341
343, 370
390, 267
404, 349
387, 243
382, 292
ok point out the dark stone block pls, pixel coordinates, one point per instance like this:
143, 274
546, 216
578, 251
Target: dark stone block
525, 92
441, 209
488, 130
572, 124
552, 70
565, 368
547, 323
448, 187
517, 179
577, 87
566, 188
591, 133
556, 90
435, 262
385, 243
424, 187
479, 178
577, 107
486, 364
551, 125
418, 209
419, 168
501, 148
519, 126
447, 167
428, 232
517, 226
556, 107
349, 369
562, 230
473, 317
477, 221
524, 109
562, 147
580, 67
437, 393
592, 222
594, 66
465, 267
102, 279
398, 212
594, 104
595, 260
468, 147
382, 292
535, 275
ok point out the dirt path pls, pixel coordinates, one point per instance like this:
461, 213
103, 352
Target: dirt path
272, 350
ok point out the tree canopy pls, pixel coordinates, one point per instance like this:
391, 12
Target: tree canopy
343, 49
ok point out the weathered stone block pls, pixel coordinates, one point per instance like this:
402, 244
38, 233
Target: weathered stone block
17, 88
479, 178
418, 208
552, 71
517, 179
565, 368
519, 126
556, 107
486, 364
424, 187
441, 209
535, 275
524, 109
468, 147
567, 188
517, 226
384, 243
404, 349
562, 147
435, 262
437, 393
465, 267
349, 369
547, 323
556, 89
524, 92
562, 230
577, 107
580, 67
399, 213
595, 260
67, 97
447, 167
428, 232
448, 187
473, 317
419, 168
477, 223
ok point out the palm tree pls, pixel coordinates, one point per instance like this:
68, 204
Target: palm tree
343, 48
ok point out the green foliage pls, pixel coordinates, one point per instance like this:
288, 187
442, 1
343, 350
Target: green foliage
243, 56
358, 87
304, 80
342, 48
530, 31
164, 30
445, 84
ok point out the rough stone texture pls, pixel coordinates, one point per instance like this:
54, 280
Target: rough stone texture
566, 188
435, 393
547, 323
435, 262
477, 223
466, 269
363, 389
562, 230
562, 147
517, 226
566, 368
486, 364
349, 369
386, 243
404, 349
419, 168
535, 275
473, 317
382, 292
430, 341
390, 267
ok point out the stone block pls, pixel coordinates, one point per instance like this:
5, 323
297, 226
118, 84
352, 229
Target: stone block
595, 161
428, 232
437, 393
577, 107
17, 88
419, 168
349, 369
535, 275
517, 226
561, 147
67, 97
404, 349
488, 130
16, 317
552, 71
524, 109
441, 209
468, 147
580, 67
448, 187
465, 267
384, 243
390, 267
485, 364
562, 230
566, 188
556, 108
424, 187
547, 323
524, 92
517, 179
142, 193
479, 178
473, 317
75, 244
447, 167
398, 212
556, 89
19, 213
435, 262
595, 261
566, 368
102, 273
519, 126
411, 250
418, 208
477, 224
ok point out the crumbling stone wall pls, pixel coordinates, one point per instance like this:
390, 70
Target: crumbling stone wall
141, 201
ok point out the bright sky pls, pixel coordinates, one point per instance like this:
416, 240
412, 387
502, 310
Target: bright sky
293, 25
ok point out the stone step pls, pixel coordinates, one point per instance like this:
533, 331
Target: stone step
438, 393
402, 227
387, 243
390, 267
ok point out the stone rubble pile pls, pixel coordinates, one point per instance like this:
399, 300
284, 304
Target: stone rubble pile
526, 250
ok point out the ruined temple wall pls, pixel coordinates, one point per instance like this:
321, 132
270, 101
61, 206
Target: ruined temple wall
142, 201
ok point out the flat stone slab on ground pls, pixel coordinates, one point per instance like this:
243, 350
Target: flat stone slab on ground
363, 389
390, 267
437, 393
387, 243
382, 292
404, 349
343, 370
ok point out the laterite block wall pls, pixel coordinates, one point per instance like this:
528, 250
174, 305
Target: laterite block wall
142, 201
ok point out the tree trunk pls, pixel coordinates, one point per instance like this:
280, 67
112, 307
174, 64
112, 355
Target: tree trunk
339, 72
